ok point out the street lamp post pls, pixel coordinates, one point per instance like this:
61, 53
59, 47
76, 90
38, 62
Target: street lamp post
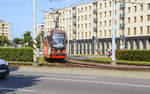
34, 34
67, 29
113, 33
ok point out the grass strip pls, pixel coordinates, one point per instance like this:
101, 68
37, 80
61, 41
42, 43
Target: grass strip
121, 61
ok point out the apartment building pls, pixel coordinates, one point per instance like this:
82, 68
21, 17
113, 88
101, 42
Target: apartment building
90, 25
4, 29
40, 28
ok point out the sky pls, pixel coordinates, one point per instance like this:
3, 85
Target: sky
20, 13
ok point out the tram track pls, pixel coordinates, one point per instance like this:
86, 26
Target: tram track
78, 64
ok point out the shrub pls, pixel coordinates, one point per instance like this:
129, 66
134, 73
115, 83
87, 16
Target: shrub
134, 55
16, 54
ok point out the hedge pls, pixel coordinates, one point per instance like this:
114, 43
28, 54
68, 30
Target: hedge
16, 54
134, 55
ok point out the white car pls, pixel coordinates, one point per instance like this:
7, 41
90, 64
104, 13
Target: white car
4, 70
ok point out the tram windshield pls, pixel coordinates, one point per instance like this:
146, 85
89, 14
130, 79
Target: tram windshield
58, 41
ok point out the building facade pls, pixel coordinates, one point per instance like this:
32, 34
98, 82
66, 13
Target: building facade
40, 28
90, 25
4, 29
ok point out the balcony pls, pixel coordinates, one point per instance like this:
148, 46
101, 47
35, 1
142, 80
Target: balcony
95, 11
95, 29
122, 16
57, 25
95, 20
57, 17
122, 26
122, 36
74, 38
74, 30
74, 15
74, 23
122, 5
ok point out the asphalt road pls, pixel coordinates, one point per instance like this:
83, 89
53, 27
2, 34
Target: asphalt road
23, 82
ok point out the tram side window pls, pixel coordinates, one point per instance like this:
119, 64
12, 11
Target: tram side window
45, 46
49, 49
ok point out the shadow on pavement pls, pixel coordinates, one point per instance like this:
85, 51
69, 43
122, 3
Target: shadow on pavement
16, 83
13, 68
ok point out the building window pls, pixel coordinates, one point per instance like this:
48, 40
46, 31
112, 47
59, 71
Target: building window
109, 22
110, 33
128, 9
105, 4
128, 31
78, 26
82, 26
82, 35
109, 3
100, 23
148, 6
109, 13
78, 18
78, 10
82, 18
129, 20
105, 23
135, 8
135, 19
100, 5
86, 35
100, 33
141, 30
90, 8
134, 30
85, 26
90, 34
81, 9
85, 17
70, 12
148, 17
70, 36
89, 25
85, 9
89, 16
105, 33
105, 14
100, 15
148, 29
141, 18
141, 7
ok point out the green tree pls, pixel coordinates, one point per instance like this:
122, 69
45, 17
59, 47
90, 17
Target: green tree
18, 41
4, 40
28, 38
39, 37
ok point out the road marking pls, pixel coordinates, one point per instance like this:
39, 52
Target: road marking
90, 81
102, 82
54, 75
16, 89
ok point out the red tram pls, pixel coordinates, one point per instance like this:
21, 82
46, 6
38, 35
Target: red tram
55, 44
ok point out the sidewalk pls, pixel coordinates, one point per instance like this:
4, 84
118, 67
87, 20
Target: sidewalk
85, 71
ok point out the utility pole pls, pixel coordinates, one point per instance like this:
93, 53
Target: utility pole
67, 30
34, 34
113, 33
11, 31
